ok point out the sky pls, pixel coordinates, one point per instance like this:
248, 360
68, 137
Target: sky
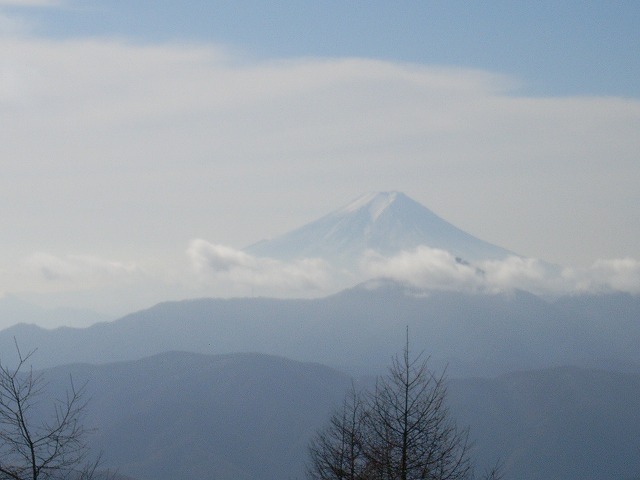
134, 132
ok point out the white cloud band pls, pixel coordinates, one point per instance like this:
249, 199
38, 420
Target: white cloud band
437, 269
227, 265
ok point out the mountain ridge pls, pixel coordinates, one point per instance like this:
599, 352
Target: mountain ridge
244, 416
385, 222
474, 334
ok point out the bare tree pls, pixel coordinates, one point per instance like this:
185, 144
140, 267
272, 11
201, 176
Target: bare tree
337, 451
402, 431
33, 447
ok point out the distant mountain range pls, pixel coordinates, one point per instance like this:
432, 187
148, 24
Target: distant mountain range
250, 416
15, 310
186, 416
385, 222
360, 328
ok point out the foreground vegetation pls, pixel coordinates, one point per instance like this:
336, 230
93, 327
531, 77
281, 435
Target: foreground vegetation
402, 430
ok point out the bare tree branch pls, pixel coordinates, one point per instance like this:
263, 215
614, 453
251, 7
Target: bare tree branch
404, 431
33, 448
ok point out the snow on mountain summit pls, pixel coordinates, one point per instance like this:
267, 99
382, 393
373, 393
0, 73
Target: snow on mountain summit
385, 222
375, 203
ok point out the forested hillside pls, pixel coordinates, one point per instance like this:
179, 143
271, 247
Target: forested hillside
246, 416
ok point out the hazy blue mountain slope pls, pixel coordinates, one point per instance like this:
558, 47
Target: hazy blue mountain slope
607, 324
556, 424
189, 416
13, 310
248, 416
361, 328
387, 222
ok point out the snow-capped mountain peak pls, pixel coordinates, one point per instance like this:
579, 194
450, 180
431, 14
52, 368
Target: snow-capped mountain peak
375, 203
385, 222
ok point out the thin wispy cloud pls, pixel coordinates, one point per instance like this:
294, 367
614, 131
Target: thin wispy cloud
78, 269
615, 275
11, 26
224, 265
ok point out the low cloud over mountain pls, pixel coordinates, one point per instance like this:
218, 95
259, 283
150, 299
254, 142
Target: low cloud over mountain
388, 235
220, 264
437, 269
382, 235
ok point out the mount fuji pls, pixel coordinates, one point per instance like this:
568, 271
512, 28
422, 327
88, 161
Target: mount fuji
385, 222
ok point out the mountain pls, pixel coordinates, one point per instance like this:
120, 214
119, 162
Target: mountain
386, 222
188, 416
250, 416
562, 423
359, 329
15, 310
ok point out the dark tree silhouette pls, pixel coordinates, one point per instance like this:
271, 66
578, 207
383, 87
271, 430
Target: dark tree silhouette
402, 430
33, 447
337, 452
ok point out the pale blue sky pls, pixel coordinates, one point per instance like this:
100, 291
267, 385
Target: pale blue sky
555, 47
134, 135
